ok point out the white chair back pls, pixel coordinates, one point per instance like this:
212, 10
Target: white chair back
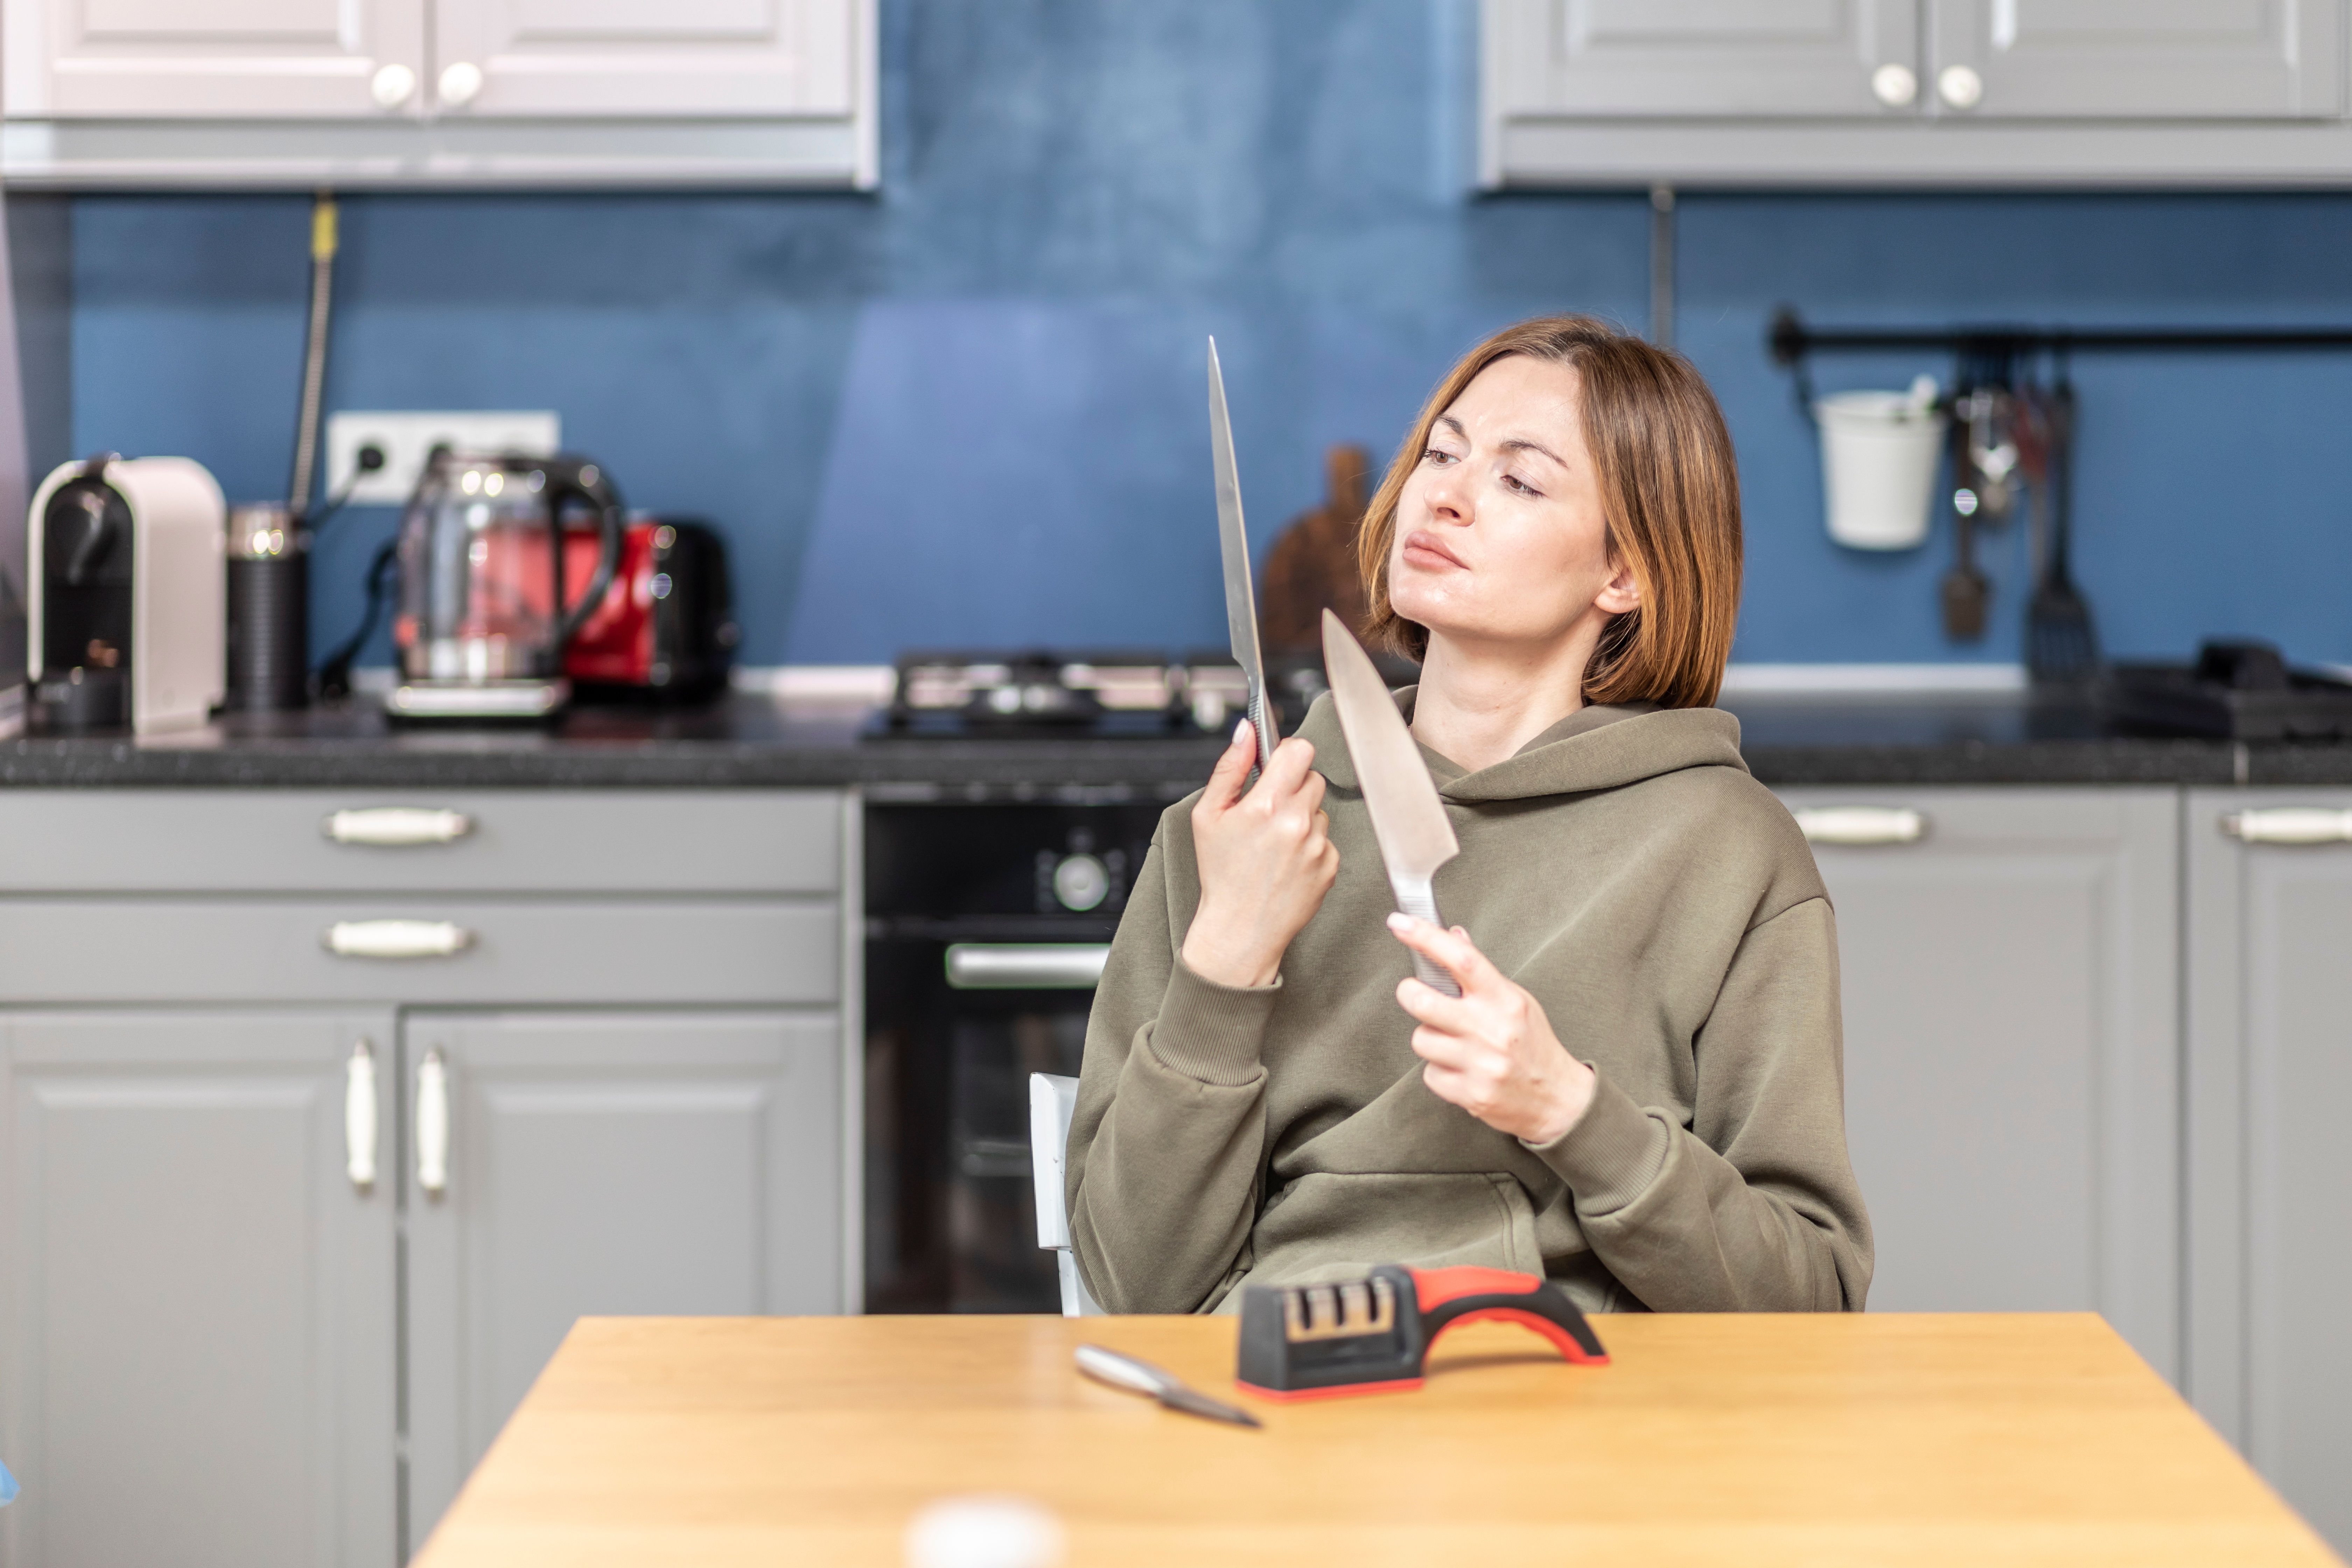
1052, 1099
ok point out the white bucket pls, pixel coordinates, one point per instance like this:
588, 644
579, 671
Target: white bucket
1879, 454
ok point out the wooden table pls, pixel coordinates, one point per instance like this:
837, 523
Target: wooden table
1747, 1440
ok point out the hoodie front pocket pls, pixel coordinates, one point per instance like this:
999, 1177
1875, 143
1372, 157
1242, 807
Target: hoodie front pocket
1328, 1226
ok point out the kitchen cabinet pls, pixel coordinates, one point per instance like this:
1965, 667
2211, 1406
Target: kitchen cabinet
633, 1004
297, 93
197, 1350
697, 58
2073, 60
2268, 1012
2008, 960
1701, 58
1916, 92
210, 59
620, 1163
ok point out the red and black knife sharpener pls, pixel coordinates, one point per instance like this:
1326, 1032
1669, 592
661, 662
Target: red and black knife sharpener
1370, 1335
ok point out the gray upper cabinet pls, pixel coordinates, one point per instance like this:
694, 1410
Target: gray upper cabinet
1703, 58
197, 1333
438, 92
603, 1163
2059, 60
2270, 1164
2008, 961
1916, 92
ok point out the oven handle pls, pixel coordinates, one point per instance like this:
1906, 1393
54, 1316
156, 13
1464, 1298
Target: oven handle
1026, 965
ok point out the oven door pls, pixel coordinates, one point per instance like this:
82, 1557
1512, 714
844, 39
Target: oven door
957, 1019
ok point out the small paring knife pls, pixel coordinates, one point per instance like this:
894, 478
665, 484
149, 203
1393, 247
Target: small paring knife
1408, 819
1107, 1366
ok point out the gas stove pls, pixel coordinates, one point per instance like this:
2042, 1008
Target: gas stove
1058, 694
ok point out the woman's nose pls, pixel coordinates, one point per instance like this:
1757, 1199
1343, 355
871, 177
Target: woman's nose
1449, 496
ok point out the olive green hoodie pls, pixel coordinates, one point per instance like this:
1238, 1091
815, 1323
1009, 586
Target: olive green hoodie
1662, 908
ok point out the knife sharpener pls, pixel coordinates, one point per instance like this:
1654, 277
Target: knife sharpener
1372, 1335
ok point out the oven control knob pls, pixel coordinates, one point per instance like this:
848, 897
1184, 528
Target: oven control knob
1081, 882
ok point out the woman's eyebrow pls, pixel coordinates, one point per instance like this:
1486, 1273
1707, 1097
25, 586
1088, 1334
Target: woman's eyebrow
1521, 444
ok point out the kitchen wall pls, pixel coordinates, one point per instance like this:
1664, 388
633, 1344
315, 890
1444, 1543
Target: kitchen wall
969, 409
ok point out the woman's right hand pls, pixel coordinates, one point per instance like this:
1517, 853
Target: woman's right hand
1266, 862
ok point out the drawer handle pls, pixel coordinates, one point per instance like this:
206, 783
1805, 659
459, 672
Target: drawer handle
397, 939
398, 826
432, 1123
2290, 824
1862, 824
1026, 965
359, 1116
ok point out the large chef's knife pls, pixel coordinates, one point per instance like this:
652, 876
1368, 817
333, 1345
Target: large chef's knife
1408, 818
1241, 601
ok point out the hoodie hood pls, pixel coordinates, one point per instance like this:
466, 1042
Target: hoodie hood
1594, 748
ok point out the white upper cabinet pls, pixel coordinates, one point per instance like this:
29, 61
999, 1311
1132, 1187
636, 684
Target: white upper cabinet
2134, 58
2183, 93
1703, 56
204, 60
394, 92
661, 57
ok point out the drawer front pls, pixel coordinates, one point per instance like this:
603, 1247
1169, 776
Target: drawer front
512, 841
512, 951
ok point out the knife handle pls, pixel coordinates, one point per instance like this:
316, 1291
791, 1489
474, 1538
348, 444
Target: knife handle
1260, 720
1421, 903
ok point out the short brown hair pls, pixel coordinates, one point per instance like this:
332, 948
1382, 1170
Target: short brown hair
1670, 488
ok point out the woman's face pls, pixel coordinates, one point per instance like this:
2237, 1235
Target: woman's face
1500, 537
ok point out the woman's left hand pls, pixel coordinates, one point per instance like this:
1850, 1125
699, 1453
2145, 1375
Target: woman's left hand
1490, 1051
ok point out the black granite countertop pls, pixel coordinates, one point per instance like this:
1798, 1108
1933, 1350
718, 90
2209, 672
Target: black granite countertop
751, 740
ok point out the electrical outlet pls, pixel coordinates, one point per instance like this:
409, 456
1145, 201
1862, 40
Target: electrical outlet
407, 439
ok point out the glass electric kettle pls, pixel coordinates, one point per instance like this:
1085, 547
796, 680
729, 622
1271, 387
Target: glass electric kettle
484, 611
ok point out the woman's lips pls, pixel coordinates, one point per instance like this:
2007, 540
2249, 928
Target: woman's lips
1423, 550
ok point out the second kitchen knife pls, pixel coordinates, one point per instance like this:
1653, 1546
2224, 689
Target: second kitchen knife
1241, 600
1408, 818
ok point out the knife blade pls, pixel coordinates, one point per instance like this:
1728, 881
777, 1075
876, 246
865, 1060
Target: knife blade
1122, 1370
1233, 541
1408, 819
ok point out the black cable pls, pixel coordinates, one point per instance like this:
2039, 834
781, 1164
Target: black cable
335, 673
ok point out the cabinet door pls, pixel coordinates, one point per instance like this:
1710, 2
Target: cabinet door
664, 58
2270, 1158
1696, 58
605, 1164
203, 59
2139, 59
2008, 990
197, 1333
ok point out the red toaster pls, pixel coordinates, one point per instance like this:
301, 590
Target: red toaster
665, 631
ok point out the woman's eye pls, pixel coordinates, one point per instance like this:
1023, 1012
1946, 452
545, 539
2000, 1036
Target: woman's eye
1519, 487
1436, 454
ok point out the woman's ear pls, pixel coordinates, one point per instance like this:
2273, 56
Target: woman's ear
1622, 593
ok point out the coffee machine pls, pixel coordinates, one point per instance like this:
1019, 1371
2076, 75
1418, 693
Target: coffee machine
124, 618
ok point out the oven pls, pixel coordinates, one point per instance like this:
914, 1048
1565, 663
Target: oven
986, 929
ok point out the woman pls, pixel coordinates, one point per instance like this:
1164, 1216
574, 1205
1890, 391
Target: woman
1639, 1094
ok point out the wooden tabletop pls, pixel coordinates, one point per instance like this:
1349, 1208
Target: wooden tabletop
1751, 1440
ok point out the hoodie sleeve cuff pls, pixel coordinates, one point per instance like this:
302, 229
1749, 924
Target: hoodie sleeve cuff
1611, 1155
1212, 1032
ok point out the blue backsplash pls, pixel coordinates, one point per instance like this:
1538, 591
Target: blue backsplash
969, 409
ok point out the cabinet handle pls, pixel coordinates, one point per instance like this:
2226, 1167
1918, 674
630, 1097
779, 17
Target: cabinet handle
391, 86
2290, 824
1026, 965
1862, 824
460, 83
397, 826
1895, 86
359, 1116
1961, 87
397, 939
432, 1123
